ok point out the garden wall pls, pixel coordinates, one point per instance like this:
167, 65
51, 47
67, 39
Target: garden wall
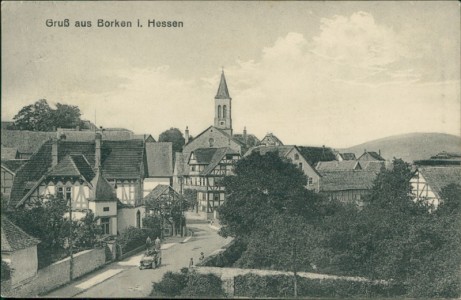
57, 274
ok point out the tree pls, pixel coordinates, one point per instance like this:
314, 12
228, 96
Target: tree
41, 117
265, 186
86, 231
175, 136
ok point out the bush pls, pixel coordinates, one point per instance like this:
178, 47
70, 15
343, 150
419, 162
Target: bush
6, 271
228, 257
133, 237
252, 285
171, 285
203, 286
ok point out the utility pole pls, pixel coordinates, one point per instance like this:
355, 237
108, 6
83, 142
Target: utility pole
295, 280
71, 265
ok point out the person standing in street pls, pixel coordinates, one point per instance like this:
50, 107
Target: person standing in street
148, 243
157, 243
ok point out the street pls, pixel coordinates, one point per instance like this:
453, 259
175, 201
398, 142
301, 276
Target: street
123, 279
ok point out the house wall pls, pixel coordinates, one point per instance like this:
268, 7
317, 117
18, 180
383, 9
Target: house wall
128, 191
151, 183
306, 167
24, 263
422, 191
6, 181
57, 274
127, 217
80, 191
203, 141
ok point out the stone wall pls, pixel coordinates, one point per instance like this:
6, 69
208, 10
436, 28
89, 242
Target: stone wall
58, 274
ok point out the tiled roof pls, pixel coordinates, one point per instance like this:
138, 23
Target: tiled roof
145, 137
372, 154
25, 141
203, 156
216, 159
88, 135
9, 153
271, 140
439, 177
374, 166
73, 165
14, 238
14, 164
282, 150
223, 92
335, 165
239, 137
120, 159
347, 156
346, 180
218, 130
157, 192
159, 159
315, 154
102, 190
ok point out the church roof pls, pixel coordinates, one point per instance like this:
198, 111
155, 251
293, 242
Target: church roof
223, 92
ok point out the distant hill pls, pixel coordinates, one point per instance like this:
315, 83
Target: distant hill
411, 146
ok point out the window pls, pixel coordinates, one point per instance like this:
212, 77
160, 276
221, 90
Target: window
216, 196
193, 168
68, 193
310, 181
296, 156
219, 111
224, 111
105, 225
300, 166
211, 140
106, 208
60, 192
138, 219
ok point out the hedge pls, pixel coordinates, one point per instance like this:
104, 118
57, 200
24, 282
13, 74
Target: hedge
251, 285
228, 257
134, 237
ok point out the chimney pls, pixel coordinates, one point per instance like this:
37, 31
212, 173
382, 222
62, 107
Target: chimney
97, 154
54, 152
379, 152
245, 134
186, 135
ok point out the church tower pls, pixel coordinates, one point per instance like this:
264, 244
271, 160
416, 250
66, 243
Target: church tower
223, 109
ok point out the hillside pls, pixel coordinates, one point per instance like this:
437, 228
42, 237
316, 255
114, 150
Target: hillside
411, 146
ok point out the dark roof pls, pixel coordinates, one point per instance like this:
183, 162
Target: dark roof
347, 156
281, 150
271, 140
9, 153
14, 164
145, 137
439, 177
89, 135
239, 137
120, 159
216, 159
159, 158
157, 192
315, 154
441, 159
374, 166
14, 238
334, 181
73, 165
372, 154
102, 190
25, 141
223, 92
335, 165
203, 156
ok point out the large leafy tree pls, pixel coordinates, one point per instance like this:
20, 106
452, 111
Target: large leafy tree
41, 117
175, 136
265, 186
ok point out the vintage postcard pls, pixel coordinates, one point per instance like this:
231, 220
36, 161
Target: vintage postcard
230, 149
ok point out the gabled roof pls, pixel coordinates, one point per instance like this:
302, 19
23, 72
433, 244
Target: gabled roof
344, 165
216, 159
159, 159
218, 130
374, 165
14, 238
239, 137
9, 153
25, 141
122, 159
371, 154
223, 92
203, 156
102, 190
158, 191
73, 165
14, 164
281, 150
335, 181
315, 154
347, 156
145, 137
439, 177
271, 140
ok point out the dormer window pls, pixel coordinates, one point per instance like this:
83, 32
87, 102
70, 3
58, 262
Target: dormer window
211, 141
296, 156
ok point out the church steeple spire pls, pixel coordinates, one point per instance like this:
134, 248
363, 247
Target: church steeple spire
223, 92
223, 107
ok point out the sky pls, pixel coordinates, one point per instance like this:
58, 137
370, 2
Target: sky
312, 73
